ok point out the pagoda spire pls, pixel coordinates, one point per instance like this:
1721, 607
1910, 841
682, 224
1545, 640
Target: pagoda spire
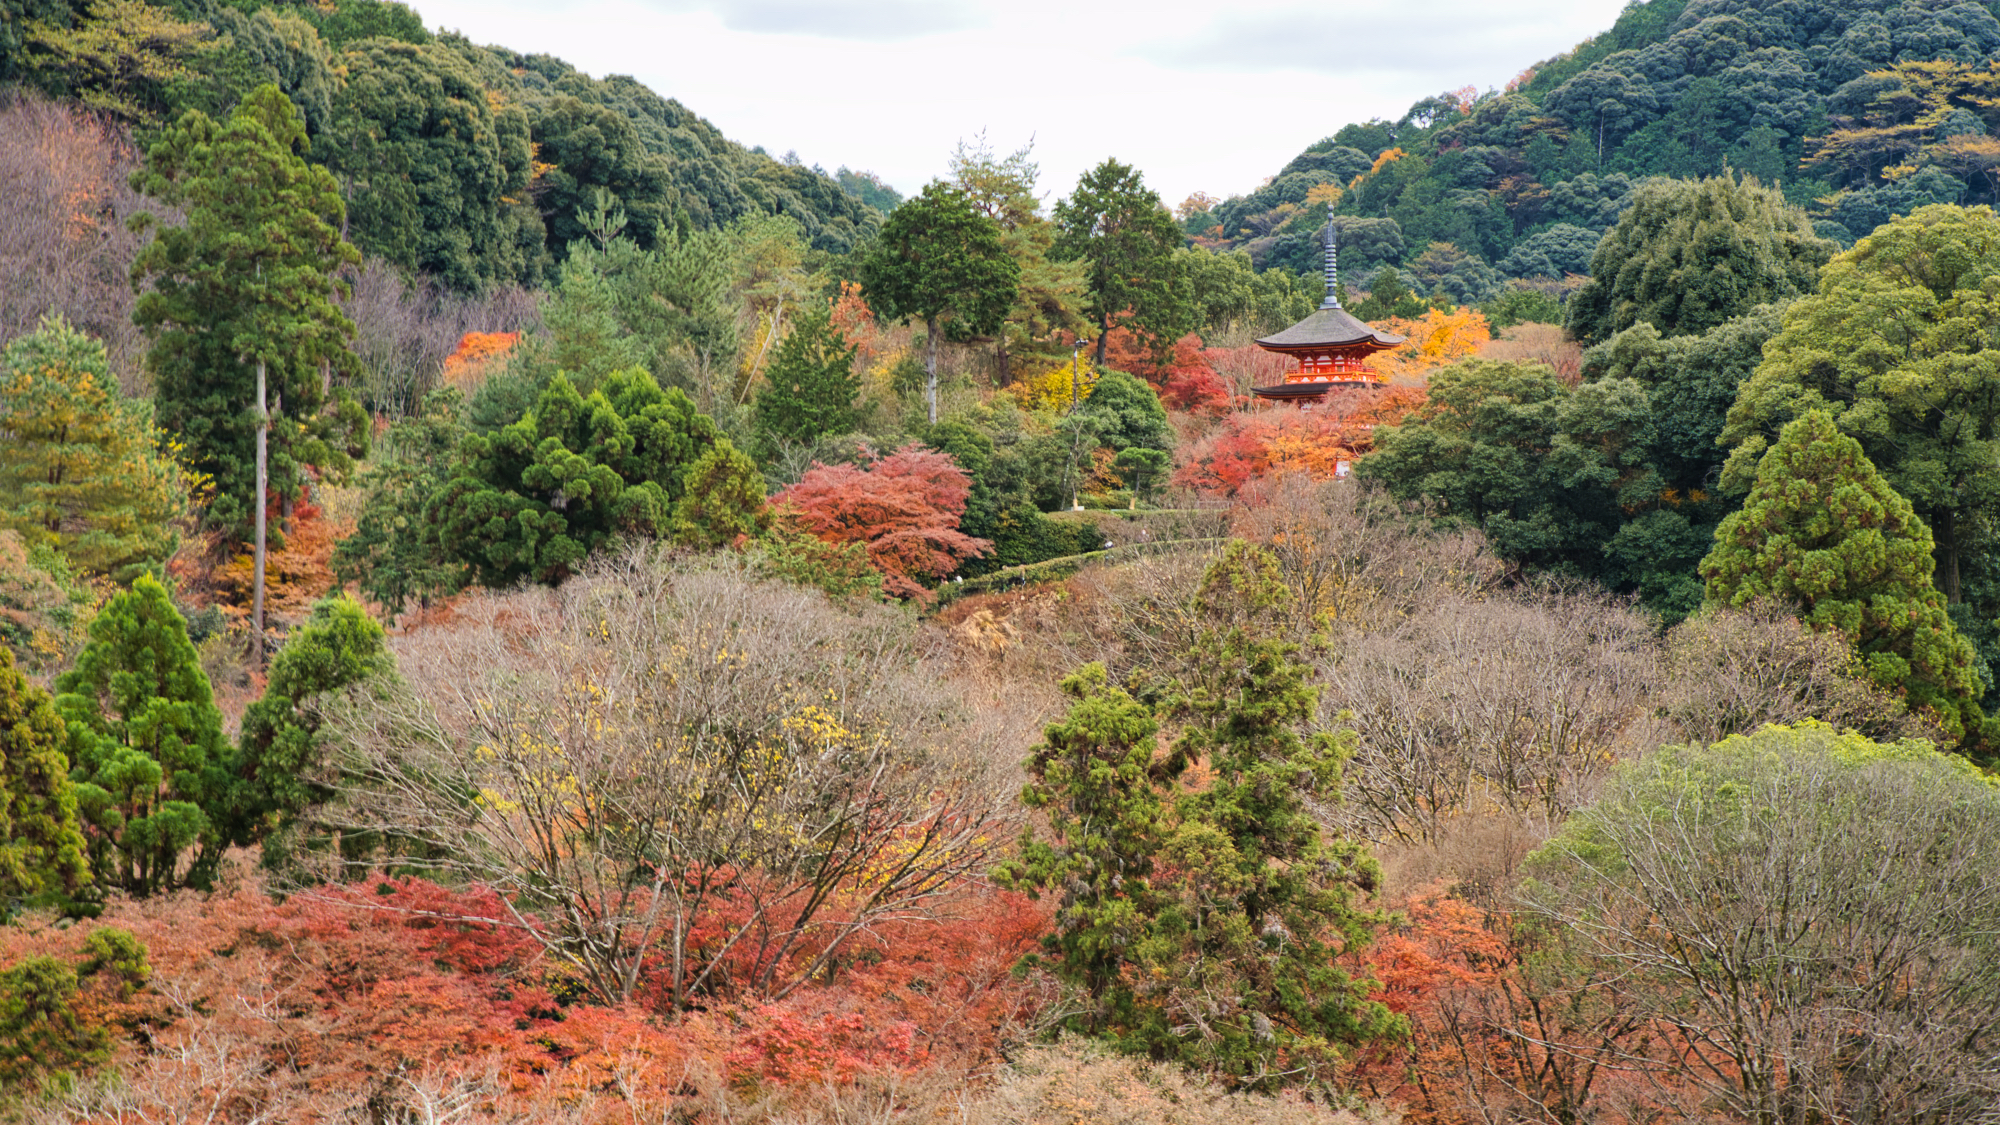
1332, 300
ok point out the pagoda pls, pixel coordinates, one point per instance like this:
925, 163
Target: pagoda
1331, 344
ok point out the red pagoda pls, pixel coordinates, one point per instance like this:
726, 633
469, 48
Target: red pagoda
1331, 344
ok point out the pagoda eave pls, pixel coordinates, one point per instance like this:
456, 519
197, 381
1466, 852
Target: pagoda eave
1291, 392
1363, 346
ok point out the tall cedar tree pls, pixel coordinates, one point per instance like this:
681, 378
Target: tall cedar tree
1822, 530
1119, 227
1690, 255
78, 465
938, 259
146, 748
43, 849
248, 278
812, 384
1205, 923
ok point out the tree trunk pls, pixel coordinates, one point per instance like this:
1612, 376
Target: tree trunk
930, 365
1006, 376
1947, 559
1103, 333
257, 564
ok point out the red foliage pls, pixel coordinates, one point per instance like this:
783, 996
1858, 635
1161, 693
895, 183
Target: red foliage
904, 507
307, 1008
478, 355
1248, 447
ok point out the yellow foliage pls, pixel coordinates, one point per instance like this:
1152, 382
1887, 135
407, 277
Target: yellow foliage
1388, 157
1051, 389
1324, 195
1436, 339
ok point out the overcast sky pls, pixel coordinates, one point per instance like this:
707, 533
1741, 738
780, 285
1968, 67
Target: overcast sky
1208, 97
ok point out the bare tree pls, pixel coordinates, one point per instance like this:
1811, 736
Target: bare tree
1806, 919
403, 330
711, 780
64, 243
1731, 671
1518, 700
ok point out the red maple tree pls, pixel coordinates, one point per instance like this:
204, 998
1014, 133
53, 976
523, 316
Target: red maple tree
904, 508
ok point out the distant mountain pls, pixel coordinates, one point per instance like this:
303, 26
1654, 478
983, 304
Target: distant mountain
1859, 108
473, 164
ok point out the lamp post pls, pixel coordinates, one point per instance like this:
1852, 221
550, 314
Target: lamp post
1075, 376
1075, 371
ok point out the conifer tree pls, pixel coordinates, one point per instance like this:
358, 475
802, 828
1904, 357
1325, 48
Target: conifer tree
146, 748
1823, 531
278, 769
41, 847
247, 280
812, 384
78, 465
1128, 241
940, 260
1205, 924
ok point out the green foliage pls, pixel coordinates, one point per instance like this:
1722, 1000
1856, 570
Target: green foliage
1229, 293
1893, 345
842, 570
80, 467
146, 749
534, 499
1688, 256
44, 1031
247, 279
1489, 448
395, 555
595, 153
1127, 414
1117, 226
1520, 304
43, 849
1823, 531
667, 309
941, 260
126, 59
1204, 924
429, 166
723, 500
811, 384
1691, 380
280, 767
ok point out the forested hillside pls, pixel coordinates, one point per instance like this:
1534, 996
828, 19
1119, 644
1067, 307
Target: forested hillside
515, 608
1858, 109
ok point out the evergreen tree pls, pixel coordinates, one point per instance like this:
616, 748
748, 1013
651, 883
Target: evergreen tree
279, 769
939, 259
1688, 255
1118, 226
1822, 530
1205, 924
395, 555
78, 465
812, 384
722, 500
41, 847
247, 280
146, 748
533, 500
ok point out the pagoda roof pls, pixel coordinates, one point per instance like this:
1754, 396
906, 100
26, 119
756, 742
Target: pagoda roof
1330, 326
1289, 391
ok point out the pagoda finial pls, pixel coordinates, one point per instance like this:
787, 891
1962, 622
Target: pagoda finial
1332, 263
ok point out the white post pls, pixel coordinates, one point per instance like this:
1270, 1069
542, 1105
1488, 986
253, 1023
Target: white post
263, 484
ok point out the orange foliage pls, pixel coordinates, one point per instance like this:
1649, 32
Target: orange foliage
296, 574
1250, 447
307, 1008
479, 354
1437, 339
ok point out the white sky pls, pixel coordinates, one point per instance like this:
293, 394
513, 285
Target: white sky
1199, 97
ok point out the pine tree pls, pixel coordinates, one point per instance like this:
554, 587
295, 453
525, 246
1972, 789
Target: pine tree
78, 465
43, 848
278, 770
1823, 531
812, 384
146, 748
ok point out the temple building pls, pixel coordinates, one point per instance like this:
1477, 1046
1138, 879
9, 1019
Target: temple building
1330, 344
